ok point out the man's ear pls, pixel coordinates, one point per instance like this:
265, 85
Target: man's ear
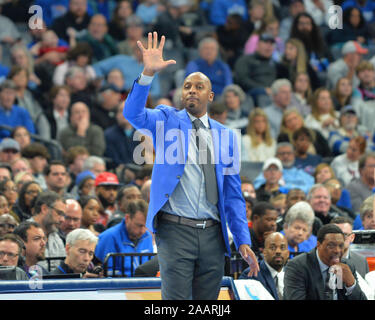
352, 237
212, 96
67, 249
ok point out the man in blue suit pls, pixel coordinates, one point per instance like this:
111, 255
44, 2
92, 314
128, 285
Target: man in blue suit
271, 273
192, 198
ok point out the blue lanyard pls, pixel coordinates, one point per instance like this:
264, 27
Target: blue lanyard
62, 270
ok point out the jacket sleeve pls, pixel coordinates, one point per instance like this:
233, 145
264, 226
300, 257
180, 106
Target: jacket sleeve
294, 281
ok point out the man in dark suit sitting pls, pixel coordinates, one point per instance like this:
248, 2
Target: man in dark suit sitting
310, 276
276, 255
358, 260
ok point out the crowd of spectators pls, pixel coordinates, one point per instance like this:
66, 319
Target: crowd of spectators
301, 94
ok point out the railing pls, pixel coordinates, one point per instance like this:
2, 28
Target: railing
119, 271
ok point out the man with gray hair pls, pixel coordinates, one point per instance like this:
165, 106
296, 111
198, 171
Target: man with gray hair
94, 164
208, 63
80, 249
298, 226
367, 214
281, 91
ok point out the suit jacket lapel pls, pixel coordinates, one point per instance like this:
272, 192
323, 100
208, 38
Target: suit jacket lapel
216, 140
268, 279
316, 274
185, 126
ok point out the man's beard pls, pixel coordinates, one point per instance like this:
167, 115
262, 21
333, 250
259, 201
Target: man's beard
105, 202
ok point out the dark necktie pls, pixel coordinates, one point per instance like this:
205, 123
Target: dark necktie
279, 293
206, 165
328, 292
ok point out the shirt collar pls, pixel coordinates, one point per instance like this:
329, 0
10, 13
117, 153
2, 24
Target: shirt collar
203, 118
323, 267
57, 115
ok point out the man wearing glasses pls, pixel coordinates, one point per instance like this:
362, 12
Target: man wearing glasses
73, 216
49, 212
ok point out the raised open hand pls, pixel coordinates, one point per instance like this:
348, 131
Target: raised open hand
153, 56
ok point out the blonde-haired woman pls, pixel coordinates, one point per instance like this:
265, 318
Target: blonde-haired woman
258, 144
323, 116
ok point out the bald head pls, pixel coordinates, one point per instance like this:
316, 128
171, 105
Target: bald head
73, 216
196, 94
276, 251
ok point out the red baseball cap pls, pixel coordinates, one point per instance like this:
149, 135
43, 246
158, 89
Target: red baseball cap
106, 179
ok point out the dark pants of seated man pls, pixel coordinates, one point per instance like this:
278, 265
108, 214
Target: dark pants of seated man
191, 261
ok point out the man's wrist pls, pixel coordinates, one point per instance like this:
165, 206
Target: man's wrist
145, 80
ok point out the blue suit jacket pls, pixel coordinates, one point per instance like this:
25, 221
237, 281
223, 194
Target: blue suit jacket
264, 276
169, 129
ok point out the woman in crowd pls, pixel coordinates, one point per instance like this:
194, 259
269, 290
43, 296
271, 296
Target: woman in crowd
90, 213
4, 207
25, 99
22, 136
346, 165
342, 95
9, 190
292, 121
258, 144
27, 195
301, 94
323, 116
117, 26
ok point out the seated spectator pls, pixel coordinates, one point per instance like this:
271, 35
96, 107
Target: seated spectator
255, 73
81, 56
295, 7
292, 177
209, 63
258, 143
25, 99
20, 56
85, 184
271, 269
102, 44
11, 114
56, 177
234, 100
82, 132
9, 150
345, 165
323, 172
21, 178
10, 250
343, 94
247, 187
301, 94
80, 89
295, 61
7, 224
22, 136
323, 116
122, 238
352, 53
355, 28
320, 200
366, 74
279, 202
49, 49
74, 160
306, 276
302, 141
281, 101
94, 164
80, 249
366, 213
134, 31
220, 9
4, 207
106, 189
49, 212
218, 111
361, 188
232, 37
298, 226
9, 190
72, 221
120, 144
58, 115
76, 18
359, 261
349, 129
263, 219
117, 24
338, 194
292, 121
5, 170
26, 199
115, 77
103, 113
271, 27
34, 240
20, 165
38, 156
366, 8
272, 172
306, 30
91, 208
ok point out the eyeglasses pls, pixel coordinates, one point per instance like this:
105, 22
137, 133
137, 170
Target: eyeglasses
14, 189
59, 212
7, 225
10, 151
346, 235
286, 153
9, 254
